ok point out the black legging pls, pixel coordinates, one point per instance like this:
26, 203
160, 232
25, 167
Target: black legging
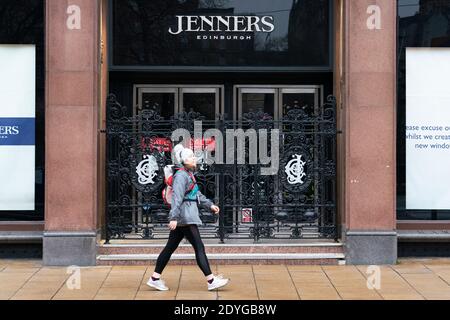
191, 233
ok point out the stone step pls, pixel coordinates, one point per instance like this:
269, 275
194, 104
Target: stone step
228, 258
211, 248
234, 252
423, 235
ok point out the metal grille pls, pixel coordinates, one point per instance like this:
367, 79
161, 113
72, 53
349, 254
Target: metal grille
298, 202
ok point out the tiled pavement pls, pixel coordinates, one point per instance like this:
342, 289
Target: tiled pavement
409, 280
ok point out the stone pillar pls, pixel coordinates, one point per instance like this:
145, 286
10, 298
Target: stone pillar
370, 135
72, 101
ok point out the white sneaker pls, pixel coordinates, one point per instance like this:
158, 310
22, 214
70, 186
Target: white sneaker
218, 282
158, 284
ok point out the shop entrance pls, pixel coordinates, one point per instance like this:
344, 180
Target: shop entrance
297, 202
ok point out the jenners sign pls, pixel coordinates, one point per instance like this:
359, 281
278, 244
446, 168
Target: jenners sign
223, 24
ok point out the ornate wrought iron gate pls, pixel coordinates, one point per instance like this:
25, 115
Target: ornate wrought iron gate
298, 202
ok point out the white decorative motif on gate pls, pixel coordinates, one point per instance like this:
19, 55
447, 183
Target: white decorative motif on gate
147, 170
295, 170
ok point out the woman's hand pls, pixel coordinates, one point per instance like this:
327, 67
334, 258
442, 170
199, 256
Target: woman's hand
215, 209
173, 225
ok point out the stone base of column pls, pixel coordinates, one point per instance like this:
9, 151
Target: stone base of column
371, 247
69, 248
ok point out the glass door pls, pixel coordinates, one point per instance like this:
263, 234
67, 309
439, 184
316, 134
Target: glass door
257, 101
308, 99
204, 100
271, 103
171, 100
255, 104
163, 100
207, 101
277, 101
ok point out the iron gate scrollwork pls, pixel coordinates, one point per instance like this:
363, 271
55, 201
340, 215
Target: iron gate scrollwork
298, 202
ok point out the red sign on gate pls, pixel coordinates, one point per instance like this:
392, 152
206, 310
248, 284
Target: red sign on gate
160, 144
165, 144
247, 215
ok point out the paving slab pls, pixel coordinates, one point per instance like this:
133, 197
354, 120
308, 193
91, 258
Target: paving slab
392, 285
314, 286
77, 294
409, 280
193, 285
350, 283
274, 283
430, 286
242, 285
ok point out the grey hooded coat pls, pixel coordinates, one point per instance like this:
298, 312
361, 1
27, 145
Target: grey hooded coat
186, 212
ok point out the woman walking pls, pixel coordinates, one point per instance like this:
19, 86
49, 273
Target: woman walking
184, 221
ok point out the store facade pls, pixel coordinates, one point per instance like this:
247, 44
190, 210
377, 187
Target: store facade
239, 69
119, 75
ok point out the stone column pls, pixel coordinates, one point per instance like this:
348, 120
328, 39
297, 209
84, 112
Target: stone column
370, 135
72, 101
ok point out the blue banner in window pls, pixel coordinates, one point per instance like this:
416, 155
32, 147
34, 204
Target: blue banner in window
17, 131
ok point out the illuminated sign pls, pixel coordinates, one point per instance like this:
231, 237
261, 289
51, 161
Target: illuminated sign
223, 24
